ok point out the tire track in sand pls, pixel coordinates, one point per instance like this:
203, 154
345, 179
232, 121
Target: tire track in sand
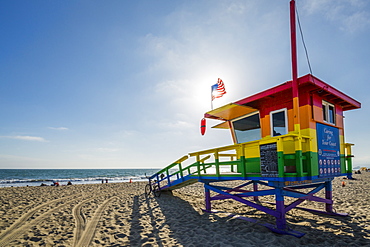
21, 225
90, 229
80, 220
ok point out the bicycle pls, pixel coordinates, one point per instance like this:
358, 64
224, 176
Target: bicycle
152, 187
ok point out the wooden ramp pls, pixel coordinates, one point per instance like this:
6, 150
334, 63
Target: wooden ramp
179, 184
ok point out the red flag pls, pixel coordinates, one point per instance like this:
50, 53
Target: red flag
218, 89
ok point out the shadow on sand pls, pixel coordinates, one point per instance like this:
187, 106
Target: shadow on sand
171, 221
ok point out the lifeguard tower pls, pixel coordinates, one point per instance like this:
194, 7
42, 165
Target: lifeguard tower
289, 138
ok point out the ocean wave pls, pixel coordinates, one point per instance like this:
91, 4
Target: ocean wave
34, 177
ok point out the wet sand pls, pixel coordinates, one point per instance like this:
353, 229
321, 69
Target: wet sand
121, 215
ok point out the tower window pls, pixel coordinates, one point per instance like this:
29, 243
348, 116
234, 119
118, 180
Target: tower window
328, 111
279, 125
247, 128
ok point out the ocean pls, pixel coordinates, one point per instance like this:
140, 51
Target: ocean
35, 177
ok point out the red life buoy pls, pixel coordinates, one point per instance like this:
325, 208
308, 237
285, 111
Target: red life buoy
203, 126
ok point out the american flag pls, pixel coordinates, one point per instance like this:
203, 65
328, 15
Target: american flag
218, 89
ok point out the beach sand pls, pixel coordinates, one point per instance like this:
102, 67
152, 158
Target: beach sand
119, 214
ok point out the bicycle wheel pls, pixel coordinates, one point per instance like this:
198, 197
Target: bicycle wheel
148, 189
156, 191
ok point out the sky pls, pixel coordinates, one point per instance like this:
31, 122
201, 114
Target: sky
124, 84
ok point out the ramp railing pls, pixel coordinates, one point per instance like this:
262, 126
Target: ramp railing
176, 174
294, 159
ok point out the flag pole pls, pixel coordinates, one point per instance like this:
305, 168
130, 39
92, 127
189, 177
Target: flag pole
295, 92
212, 94
211, 99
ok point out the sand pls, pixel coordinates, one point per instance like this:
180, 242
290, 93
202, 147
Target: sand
121, 215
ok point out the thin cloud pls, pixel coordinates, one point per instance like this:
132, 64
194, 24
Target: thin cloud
58, 128
107, 150
356, 21
181, 125
349, 14
26, 138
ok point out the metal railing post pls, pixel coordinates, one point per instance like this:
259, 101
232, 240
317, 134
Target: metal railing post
217, 163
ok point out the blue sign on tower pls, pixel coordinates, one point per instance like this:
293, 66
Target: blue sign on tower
328, 150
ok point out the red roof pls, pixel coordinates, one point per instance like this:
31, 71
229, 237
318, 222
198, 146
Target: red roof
313, 83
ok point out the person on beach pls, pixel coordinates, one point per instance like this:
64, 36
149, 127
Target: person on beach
69, 183
106, 181
55, 183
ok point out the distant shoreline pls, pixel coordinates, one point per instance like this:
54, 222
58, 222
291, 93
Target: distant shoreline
35, 177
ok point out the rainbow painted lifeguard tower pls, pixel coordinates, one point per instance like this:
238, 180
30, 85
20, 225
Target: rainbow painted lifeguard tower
289, 138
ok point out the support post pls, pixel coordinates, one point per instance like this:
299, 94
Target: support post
255, 188
181, 172
280, 209
298, 156
348, 159
217, 162
198, 165
328, 195
242, 165
207, 193
168, 177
